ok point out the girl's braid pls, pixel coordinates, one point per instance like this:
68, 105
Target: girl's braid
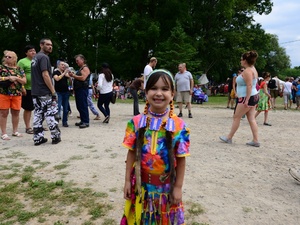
169, 140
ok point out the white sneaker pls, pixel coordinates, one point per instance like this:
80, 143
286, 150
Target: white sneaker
295, 174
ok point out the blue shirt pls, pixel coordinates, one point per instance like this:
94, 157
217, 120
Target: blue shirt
241, 88
298, 92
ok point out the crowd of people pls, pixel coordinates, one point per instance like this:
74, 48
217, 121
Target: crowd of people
33, 85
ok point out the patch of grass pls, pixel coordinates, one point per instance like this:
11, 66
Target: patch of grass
247, 209
95, 150
88, 223
108, 150
109, 222
89, 146
10, 175
76, 157
113, 190
61, 166
113, 155
99, 210
29, 169
44, 198
196, 209
40, 164
15, 155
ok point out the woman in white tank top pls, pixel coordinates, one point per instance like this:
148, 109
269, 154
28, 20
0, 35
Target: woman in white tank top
248, 98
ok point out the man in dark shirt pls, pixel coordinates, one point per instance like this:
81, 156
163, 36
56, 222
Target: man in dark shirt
43, 95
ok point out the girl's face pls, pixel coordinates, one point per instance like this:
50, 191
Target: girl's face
159, 96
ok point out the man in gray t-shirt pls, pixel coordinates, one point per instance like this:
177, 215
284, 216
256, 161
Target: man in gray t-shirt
184, 85
43, 95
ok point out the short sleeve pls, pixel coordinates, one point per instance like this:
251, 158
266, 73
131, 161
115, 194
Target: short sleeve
130, 136
182, 142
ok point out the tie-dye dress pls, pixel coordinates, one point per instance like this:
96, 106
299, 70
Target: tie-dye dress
155, 208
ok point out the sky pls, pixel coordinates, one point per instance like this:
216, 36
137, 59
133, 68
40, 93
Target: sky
284, 21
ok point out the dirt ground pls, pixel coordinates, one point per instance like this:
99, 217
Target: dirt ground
235, 184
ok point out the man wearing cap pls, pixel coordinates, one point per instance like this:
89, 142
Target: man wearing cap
149, 68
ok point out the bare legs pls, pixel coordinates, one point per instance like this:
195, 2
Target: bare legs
3, 120
240, 111
26, 117
15, 119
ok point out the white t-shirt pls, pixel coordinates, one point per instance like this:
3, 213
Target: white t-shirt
183, 81
287, 87
147, 70
104, 86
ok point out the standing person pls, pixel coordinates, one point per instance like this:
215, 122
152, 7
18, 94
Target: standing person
27, 103
298, 94
12, 79
135, 86
264, 98
157, 142
248, 97
81, 89
149, 68
231, 93
43, 95
287, 93
61, 78
274, 87
90, 99
105, 87
184, 84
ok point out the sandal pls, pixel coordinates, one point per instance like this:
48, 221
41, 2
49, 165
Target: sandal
29, 130
5, 137
45, 129
17, 134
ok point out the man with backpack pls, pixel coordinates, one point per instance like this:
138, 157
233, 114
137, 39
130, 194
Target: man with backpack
274, 87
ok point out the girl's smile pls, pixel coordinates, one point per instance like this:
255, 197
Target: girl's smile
159, 96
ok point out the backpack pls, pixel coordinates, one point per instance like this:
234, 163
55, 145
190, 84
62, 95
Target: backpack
272, 84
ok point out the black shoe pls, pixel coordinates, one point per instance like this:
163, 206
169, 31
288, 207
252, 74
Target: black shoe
106, 120
56, 140
84, 125
78, 124
65, 125
179, 115
190, 115
41, 141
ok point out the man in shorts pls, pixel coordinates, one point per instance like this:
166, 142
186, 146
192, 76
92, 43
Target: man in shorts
43, 95
184, 84
27, 103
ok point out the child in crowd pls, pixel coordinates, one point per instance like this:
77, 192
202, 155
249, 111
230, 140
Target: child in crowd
157, 142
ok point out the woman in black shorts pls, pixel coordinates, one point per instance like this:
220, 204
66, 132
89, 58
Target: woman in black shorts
248, 98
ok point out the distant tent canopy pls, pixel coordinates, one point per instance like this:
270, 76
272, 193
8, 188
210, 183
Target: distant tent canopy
203, 79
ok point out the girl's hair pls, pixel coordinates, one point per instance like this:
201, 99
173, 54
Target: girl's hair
266, 75
250, 57
107, 74
151, 81
165, 75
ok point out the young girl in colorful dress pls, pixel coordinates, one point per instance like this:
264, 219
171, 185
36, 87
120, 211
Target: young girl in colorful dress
157, 143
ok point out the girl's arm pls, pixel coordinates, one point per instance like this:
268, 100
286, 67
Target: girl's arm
180, 170
129, 163
266, 90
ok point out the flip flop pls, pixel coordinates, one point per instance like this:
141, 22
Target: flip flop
17, 134
29, 130
45, 129
5, 137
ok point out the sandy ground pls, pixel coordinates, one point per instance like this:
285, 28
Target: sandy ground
236, 184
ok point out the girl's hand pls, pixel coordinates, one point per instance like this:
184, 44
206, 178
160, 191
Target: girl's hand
127, 190
176, 196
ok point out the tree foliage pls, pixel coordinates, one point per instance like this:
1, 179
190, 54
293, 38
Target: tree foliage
209, 35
